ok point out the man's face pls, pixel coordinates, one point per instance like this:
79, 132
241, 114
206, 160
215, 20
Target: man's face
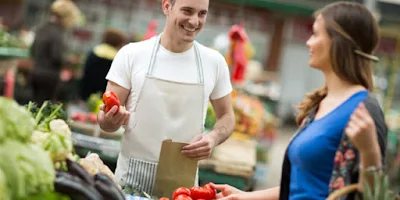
185, 18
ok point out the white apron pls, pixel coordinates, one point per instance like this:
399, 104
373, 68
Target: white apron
165, 110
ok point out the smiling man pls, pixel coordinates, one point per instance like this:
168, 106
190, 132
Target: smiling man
165, 83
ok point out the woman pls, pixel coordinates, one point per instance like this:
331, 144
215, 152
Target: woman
341, 125
99, 62
48, 50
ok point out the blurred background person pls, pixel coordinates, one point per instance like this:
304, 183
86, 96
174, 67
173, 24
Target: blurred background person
48, 50
99, 62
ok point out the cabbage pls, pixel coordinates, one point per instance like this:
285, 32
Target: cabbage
16, 122
4, 195
28, 169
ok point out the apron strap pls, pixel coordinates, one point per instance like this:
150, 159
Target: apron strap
199, 63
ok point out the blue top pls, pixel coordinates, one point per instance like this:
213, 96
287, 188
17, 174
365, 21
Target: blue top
312, 151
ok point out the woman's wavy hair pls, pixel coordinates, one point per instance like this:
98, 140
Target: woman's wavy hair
354, 35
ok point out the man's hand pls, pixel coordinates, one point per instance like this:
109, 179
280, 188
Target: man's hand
111, 119
200, 147
228, 192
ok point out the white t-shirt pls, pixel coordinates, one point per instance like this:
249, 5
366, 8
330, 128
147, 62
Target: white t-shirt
131, 63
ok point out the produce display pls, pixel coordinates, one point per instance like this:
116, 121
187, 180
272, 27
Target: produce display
51, 131
9, 41
77, 183
26, 168
249, 114
94, 165
207, 192
38, 161
94, 102
82, 117
210, 117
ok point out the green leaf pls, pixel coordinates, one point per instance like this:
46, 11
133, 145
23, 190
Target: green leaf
377, 186
384, 192
367, 194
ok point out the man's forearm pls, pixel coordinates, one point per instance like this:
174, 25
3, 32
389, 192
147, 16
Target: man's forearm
223, 128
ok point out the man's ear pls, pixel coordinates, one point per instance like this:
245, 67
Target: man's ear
166, 6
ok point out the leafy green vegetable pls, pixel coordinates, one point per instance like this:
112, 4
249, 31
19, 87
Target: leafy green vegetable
210, 117
4, 195
127, 189
94, 101
47, 196
28, 168
57, 141
46, 113
16, 122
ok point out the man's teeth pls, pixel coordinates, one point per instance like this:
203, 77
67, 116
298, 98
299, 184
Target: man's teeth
188, 29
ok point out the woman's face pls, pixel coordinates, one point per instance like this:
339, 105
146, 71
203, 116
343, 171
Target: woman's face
319, 44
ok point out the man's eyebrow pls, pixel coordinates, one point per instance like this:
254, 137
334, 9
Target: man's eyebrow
191, 9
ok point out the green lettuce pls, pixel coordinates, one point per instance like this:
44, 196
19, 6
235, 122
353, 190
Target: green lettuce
4, 195
16, 122
28, 169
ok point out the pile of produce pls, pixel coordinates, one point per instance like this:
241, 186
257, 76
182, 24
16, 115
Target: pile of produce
25, 168
82, 117
207, 192
249, 114
195, 193
77, 183
210, 117
94, 102
37, 159
94, 165
52, 132
10, 41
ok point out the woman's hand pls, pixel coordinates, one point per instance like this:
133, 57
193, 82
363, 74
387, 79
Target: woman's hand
361, 131
228, 192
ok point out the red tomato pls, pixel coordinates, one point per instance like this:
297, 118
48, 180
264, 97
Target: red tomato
182, 197
180, 191
199, 193
211, 190
110, 100
163, 198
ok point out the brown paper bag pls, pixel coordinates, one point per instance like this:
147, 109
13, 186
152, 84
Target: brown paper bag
174, 170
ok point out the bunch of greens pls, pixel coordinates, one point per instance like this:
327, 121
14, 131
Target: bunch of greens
52, 132
47, 112
127, 189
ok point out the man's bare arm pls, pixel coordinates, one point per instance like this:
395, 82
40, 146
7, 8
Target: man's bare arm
225, 124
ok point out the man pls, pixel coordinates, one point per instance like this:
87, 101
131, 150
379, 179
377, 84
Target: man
166, 83
48, 49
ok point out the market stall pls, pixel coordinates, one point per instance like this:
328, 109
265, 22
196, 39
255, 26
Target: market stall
11, 50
